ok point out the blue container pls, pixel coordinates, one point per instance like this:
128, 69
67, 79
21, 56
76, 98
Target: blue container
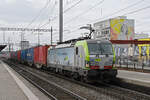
23, 55
30, 55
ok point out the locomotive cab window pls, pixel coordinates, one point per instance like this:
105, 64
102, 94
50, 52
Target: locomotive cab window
101, 48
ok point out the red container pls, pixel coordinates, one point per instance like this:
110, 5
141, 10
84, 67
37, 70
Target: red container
40, 55
19, 55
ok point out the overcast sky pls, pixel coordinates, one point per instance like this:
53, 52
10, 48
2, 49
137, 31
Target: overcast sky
20, 13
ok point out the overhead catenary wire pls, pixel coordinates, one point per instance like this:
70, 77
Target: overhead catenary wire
118, 11
38, 15
44, 24
115, 12
138, 10
52, 19
52, 11
46, 4
68, 9
135, 11
84, 12
109, 15
80, 13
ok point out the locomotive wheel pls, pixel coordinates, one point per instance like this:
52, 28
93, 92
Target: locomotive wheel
107, 81
38, 66
30, 64
82, 79
56, 70
76, 76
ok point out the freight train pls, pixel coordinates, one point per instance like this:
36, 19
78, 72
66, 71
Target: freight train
83, 60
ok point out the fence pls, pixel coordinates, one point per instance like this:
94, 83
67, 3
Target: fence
134, 62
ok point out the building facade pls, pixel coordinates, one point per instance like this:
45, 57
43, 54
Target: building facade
119, 28
24, 44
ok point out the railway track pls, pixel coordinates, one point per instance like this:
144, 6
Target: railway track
52, 90
129, 91
109, 91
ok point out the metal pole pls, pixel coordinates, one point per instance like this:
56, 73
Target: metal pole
3, 37
21, 40
21, 36
51, 35
90, 30
38, 38
9, 46
12, 46
60, 20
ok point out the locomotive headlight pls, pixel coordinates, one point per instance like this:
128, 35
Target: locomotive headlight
87, 64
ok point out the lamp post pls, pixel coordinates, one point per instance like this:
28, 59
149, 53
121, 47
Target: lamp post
51, 35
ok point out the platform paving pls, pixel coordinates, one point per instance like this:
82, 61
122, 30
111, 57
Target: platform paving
138, 78
9, 90
15, 87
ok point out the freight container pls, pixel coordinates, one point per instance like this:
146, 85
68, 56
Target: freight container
30, 56
23, 56
19, 55
40, 56
11, 55
15, 55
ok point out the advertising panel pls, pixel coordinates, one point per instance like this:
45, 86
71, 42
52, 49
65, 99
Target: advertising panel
121, 29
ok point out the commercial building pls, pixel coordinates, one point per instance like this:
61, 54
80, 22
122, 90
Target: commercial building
119, 28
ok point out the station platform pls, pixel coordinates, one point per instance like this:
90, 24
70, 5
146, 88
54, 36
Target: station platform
132, 77
15, 87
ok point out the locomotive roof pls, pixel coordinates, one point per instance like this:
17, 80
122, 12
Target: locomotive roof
88, 41
64, 45
98, 41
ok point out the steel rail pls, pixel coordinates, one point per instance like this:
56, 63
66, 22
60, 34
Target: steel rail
32, 82
111, 88
76, 96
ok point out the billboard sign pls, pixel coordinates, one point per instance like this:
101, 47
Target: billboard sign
121, 29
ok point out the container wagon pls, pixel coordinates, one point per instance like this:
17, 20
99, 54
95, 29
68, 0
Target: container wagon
19, 55
23, 56
40, 56
30, 56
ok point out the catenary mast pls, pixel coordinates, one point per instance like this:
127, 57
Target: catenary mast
60, 20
